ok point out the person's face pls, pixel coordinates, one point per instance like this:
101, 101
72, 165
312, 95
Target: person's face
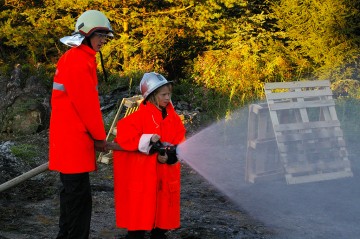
97, 40
163, 96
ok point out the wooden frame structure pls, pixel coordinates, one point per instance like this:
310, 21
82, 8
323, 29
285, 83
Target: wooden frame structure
262, 156
309, 139
127, 106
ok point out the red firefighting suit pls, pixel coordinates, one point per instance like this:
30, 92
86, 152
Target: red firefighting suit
76, 118
147, 193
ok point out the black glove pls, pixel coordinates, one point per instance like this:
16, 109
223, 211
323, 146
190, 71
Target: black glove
162, 149
157, 147
171, 153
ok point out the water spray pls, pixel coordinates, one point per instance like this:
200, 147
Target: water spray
318, 209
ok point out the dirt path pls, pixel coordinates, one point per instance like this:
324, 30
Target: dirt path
30, 210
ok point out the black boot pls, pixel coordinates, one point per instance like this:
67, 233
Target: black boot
135, 235
158, 233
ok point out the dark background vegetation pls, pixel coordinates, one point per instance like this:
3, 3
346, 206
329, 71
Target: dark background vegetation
222, 50
219, 53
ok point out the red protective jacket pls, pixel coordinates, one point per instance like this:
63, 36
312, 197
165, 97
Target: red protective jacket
147, 193
76, 118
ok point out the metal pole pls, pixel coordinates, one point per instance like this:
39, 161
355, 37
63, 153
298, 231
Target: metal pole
23, 177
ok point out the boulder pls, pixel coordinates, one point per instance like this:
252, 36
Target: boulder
24, 109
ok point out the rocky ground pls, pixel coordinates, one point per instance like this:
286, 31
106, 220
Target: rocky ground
30, 210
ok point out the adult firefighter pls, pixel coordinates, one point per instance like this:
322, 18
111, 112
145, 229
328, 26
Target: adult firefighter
76, 125
146, 180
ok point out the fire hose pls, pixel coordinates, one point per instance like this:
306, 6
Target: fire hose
158, 147
32, 173
40, 169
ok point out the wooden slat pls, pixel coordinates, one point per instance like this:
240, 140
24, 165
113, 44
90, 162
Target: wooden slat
296, 84
327, 155
318, 167
255, 108
260, 142
290, 179
285, 138
307, 125
298, 94
298, 105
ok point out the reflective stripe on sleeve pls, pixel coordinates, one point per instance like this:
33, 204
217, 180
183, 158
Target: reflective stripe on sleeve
58, 86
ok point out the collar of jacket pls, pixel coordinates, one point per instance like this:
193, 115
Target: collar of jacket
87, 49
151, 107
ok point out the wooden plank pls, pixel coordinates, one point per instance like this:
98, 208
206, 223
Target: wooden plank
303, 112
310, 157
308, 136
296, 84
298, 105
298, 168
318, 146
255, 143
317, 177
299, 94
251, 134
256, 108
299, 148
307, 125
333, 114
132, 101
321, 145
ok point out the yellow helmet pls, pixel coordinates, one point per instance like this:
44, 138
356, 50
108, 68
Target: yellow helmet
91, 21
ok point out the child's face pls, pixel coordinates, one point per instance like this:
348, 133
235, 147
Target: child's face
163, 96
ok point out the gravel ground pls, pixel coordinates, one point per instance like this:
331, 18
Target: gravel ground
319, 210
30, 210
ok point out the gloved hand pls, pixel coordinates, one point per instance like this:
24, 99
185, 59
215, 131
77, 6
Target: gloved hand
171, 153
100, 145
157, 147
167, 153
162, 158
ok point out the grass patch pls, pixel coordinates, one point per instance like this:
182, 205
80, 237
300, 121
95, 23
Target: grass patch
25, 151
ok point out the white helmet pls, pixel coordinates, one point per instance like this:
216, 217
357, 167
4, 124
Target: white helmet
150, 82
91, 21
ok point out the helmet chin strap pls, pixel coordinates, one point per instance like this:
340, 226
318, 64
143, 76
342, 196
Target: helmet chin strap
101, 58
103, 67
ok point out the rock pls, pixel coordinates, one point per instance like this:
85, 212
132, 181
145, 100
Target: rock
15, 79
8, 162
25, 116
3, 82
24, 108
